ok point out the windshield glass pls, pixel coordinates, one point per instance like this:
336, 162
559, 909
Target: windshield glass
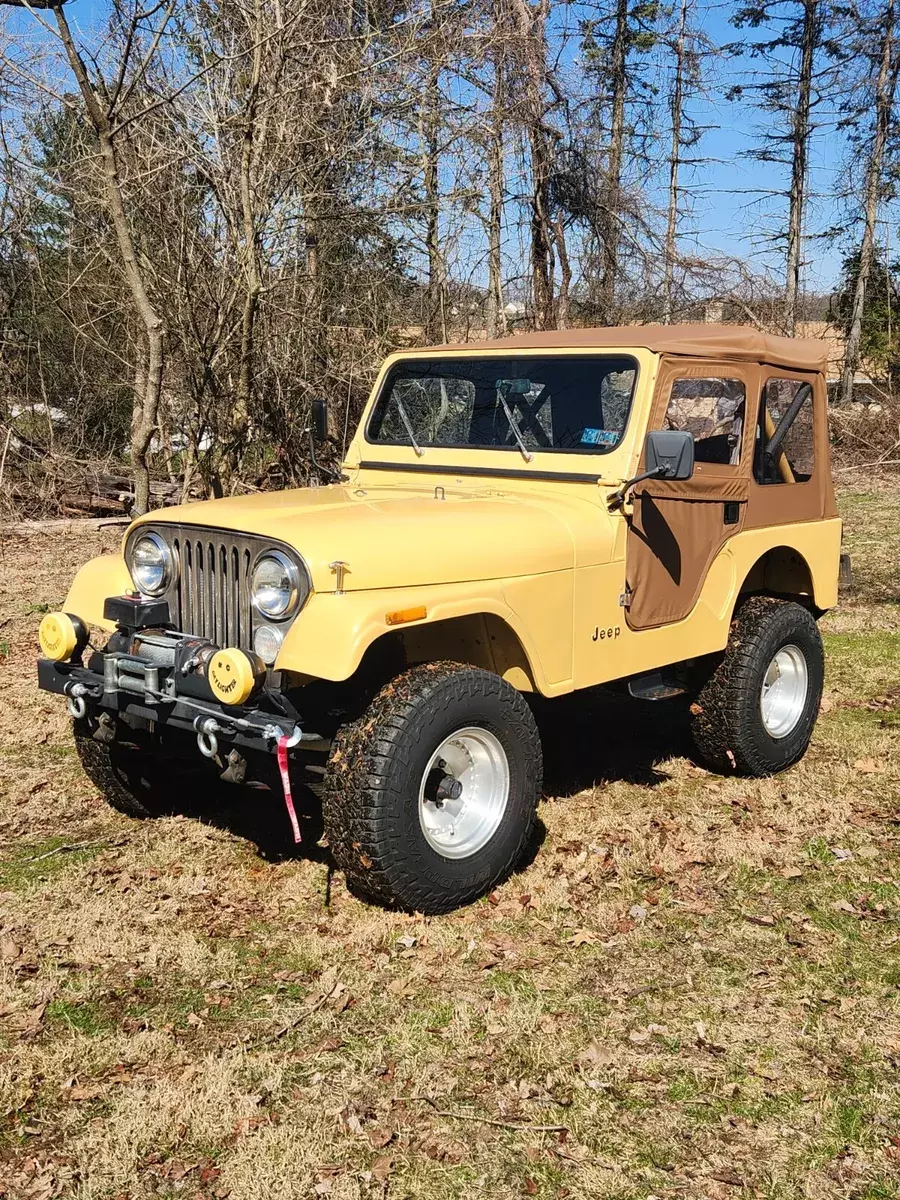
557, 403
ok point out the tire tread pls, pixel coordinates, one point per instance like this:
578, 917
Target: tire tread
363, 805
105, 764
726, 724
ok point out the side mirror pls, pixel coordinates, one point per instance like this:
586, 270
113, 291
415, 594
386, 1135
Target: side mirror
669, 454
320, 419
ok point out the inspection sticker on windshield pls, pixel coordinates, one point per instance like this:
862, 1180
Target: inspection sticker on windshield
599, 437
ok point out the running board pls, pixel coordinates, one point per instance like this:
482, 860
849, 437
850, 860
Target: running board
653, 686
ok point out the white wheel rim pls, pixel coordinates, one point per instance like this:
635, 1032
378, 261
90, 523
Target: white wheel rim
475, 765
784, 690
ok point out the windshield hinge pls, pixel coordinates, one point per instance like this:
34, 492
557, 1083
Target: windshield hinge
625, 597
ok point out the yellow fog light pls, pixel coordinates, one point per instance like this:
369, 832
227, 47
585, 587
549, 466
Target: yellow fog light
233, 675
61, 635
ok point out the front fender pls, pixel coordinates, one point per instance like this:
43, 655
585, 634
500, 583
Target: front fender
330, 637
97, 579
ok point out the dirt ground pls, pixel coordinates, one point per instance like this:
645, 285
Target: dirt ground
690, 990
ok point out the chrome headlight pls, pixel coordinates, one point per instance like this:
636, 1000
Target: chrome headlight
152, 564
276, 586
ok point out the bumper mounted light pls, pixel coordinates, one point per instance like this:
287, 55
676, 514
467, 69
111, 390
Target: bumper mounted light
62, 636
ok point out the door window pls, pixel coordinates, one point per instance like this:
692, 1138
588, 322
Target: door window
785, 445
713, 411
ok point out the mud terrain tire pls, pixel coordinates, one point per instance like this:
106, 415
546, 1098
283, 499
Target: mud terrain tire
727, 723
127, 776
371, 796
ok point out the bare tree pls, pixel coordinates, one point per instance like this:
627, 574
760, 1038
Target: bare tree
874, 183
104, 104
790, 90
530, 23
676, 111
612, 194
800, 137
494, 141
616, 44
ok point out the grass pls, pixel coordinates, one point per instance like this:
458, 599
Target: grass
180, 1015
28, 866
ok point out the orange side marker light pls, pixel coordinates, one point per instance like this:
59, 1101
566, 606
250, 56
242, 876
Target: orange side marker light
402, 615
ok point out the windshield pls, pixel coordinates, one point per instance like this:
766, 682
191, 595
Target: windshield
539, 404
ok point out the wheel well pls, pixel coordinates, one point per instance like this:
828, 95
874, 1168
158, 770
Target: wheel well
781, 571
479, 639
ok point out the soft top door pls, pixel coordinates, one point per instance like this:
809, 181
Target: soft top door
796, 485
678, 527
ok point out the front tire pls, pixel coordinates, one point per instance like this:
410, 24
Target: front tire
756, 713
128, 776
430, 797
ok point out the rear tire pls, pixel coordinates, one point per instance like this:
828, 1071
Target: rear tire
756, 713
128, 776
429, 798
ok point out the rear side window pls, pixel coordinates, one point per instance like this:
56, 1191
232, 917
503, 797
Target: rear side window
785, 445
713, 411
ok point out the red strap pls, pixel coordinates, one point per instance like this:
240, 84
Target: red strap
286, 784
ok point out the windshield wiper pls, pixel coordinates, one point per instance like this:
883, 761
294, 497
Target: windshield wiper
514, 426
409, 429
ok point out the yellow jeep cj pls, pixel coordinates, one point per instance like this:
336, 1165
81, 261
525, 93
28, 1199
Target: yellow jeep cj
648, 506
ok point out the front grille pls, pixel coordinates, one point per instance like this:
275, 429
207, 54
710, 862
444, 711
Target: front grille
211, 597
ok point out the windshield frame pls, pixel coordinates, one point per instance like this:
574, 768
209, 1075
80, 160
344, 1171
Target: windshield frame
471, 353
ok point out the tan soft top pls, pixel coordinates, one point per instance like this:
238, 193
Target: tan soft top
696, 341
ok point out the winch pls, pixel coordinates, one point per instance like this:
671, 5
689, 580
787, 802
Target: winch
156, 673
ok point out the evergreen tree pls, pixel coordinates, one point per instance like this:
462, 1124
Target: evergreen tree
879, 343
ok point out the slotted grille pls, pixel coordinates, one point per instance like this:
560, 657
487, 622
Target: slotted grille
211, 597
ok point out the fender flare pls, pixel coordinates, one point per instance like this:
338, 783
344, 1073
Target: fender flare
330, 637
816, 545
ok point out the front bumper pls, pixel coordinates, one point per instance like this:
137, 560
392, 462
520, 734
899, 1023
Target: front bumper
148, 687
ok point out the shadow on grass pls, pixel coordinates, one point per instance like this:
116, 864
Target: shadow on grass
596, 737
256, 812
589, 739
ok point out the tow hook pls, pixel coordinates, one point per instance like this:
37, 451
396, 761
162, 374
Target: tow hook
236, 768
106, 729
207, 742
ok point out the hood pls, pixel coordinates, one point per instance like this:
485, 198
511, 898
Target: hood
402, 537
